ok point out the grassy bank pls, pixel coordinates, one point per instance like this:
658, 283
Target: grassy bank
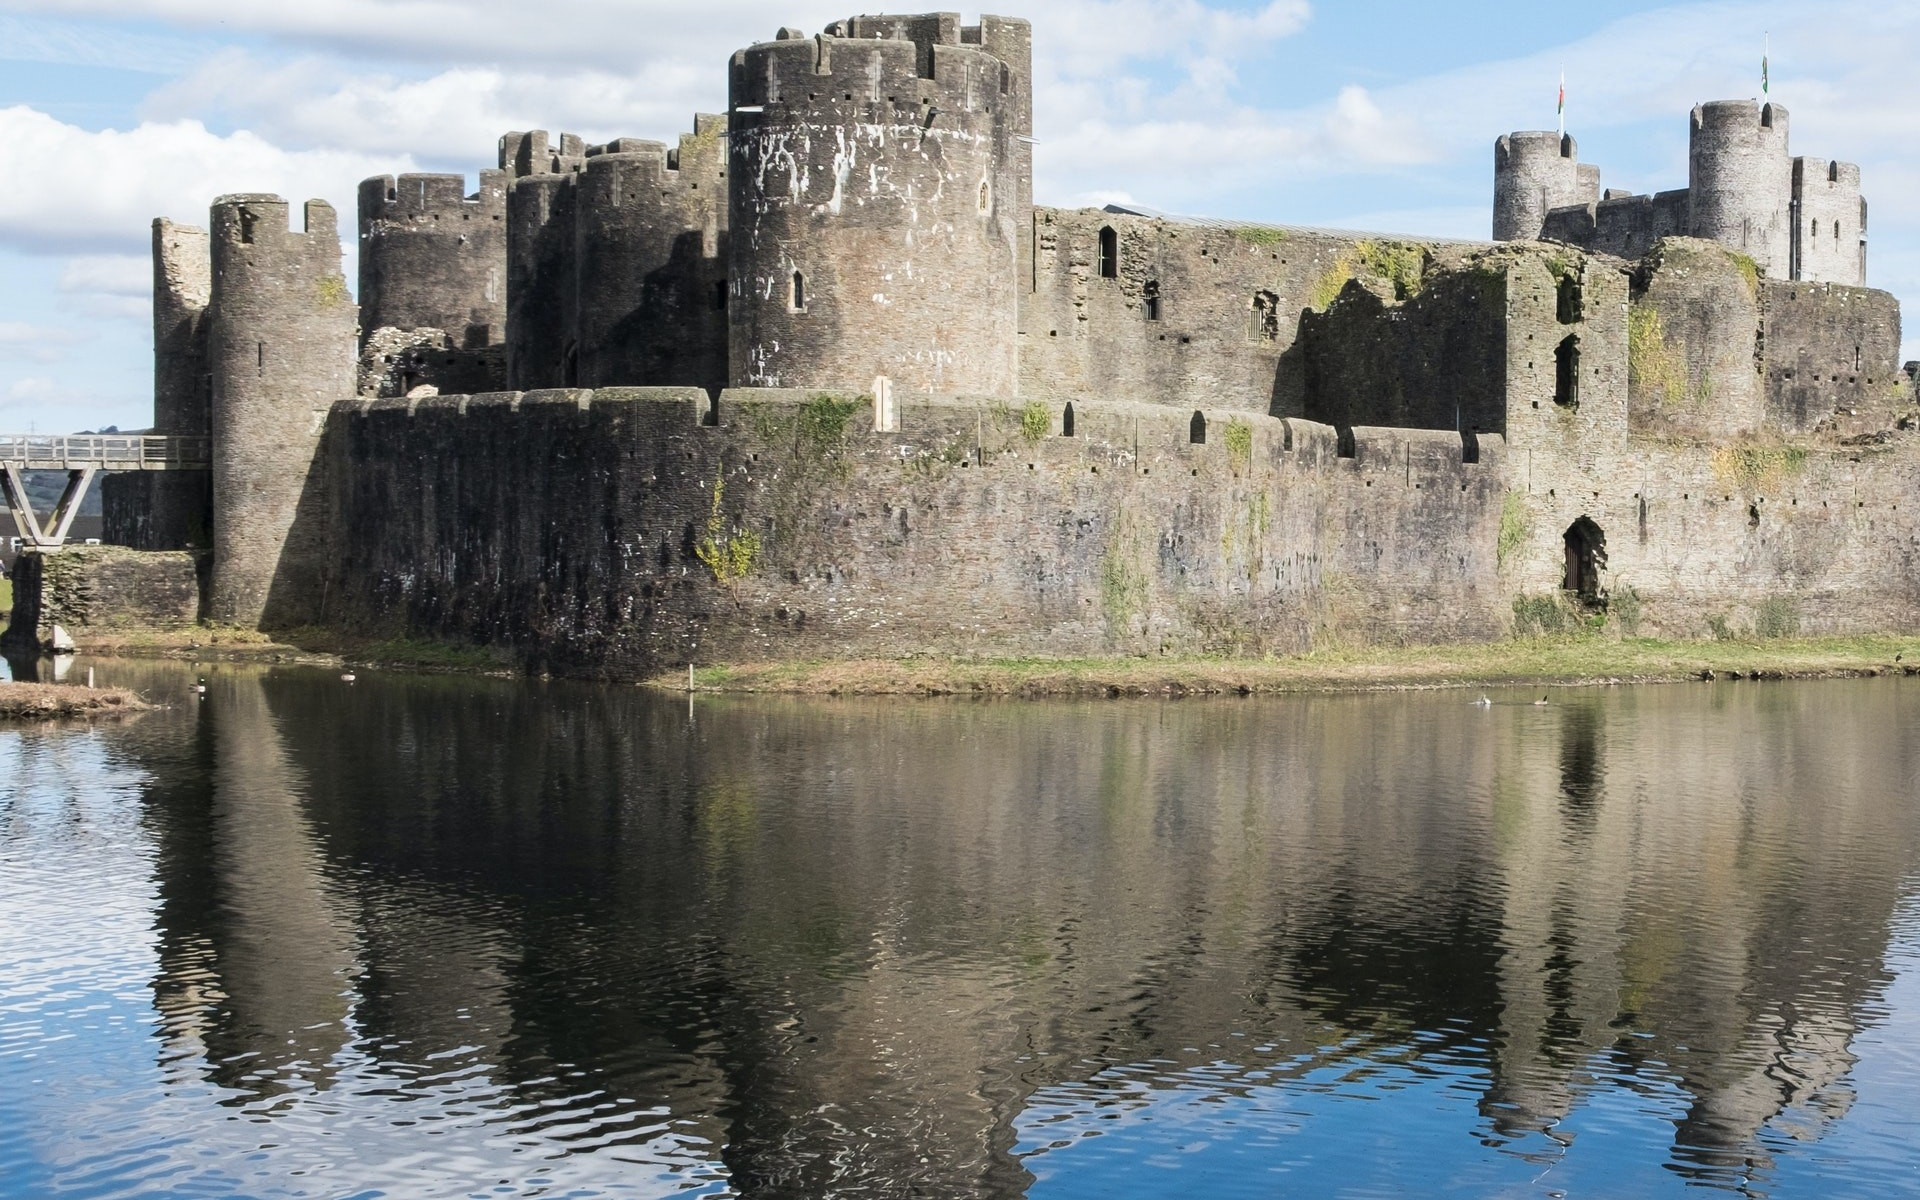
44, 701
1532, 661
308, 647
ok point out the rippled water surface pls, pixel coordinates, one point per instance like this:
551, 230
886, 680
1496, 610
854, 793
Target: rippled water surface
450, 937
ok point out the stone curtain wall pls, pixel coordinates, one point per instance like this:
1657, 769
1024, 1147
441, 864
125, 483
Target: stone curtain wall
96, 589
565, 525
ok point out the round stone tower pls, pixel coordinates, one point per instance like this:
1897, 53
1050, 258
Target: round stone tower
1535, 172
280, 351
1739, 180
875, 196
651, 268
432, 257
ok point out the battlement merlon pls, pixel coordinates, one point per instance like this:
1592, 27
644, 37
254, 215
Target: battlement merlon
420, 197
853, 82
532, 152
1832, 172
1740, 118
249, 217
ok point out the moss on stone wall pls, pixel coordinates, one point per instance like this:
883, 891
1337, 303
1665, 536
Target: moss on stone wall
1750, 467
1516, 526
1656, 370
1260, 235
1402, 265
1239, 440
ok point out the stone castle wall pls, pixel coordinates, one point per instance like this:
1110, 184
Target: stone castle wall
565, 525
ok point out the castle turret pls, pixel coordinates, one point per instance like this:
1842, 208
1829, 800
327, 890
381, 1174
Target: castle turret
1739, 180
280, 350
650, 248
433, 257
1535, 172
875, 193
1829, 222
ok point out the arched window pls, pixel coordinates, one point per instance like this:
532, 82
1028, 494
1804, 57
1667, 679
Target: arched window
1197, 428
1566, 372
1109, 253
1150, 299
798, 300
1066, 420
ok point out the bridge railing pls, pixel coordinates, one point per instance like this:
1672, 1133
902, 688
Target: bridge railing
112, 451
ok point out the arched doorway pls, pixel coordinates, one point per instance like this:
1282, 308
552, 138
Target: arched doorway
1586, 545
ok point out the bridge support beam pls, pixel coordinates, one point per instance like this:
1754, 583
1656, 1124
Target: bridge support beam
54, 534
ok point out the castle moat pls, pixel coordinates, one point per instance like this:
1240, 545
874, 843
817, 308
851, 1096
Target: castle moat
448, 936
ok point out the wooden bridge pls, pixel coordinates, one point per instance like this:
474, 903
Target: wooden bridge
83, 456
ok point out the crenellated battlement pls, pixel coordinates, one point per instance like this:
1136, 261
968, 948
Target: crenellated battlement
872, 80
419, 199
1741, 119
262, 218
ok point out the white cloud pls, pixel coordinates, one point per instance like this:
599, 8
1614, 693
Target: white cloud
109, 285
40, 395
113, 183
22, 341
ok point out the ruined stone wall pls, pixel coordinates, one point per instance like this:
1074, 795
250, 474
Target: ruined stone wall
1751, 539
874, 211
1742, 535
433, 257
1434, 360
281, 350
171, 510
1697, 353
1832, 359
1190, 315
566, 526
1623, 226
1830, 222
94, 590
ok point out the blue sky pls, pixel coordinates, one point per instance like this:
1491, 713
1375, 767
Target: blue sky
1366, 115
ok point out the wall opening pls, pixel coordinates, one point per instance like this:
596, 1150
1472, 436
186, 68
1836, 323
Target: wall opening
986, 198
570, 366
1470, 446
1197, 428
1263, 318
797, 297
1566, 372
720, 296
1766, 117
248, 220
1586, 546
1150, 299
1066, 420
1109, 253
1567, 306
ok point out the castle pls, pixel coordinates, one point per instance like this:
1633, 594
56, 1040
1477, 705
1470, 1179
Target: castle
821, 379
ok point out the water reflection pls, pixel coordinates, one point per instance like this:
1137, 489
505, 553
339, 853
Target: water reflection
899, 948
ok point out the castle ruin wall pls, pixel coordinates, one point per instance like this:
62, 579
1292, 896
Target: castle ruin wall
959, 533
